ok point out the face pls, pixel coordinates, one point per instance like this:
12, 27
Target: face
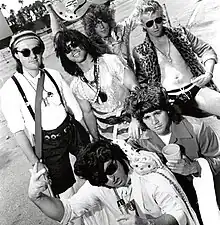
29, 53
153, 23
75, 53
115, 173
157, 121
102, 29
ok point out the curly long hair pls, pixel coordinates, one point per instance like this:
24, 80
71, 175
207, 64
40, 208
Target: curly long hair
104, 13
90, 161
68, 35
149, 99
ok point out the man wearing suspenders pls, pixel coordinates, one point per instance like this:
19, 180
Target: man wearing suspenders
59, 112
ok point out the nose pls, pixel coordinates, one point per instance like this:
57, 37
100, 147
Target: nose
154, 120
155, 25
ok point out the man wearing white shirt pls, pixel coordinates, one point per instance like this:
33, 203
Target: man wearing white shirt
59, 110
148, 199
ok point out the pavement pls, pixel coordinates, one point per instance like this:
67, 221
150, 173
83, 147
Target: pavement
15, 207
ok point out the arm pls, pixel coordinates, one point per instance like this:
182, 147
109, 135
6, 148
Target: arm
209, 147
55, 22
71, 102
165, 219
26, 147
204, 51
89, 118
64, 210
52, 207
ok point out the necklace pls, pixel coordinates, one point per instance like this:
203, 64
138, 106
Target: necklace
167, 55
95, 85
48, 93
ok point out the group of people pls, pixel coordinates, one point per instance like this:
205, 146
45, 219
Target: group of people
141, 98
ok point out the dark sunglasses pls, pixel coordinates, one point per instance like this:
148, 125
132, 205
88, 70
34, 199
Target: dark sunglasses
26, 52
150, 23
112, 167
70, 47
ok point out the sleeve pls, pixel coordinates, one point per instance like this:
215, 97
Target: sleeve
209, 146
79, 203
201, 48
69, 98
167, 199
11, 102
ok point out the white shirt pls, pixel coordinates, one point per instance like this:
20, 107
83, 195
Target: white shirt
153, 196
16, 112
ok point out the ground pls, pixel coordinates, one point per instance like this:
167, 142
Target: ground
15, 208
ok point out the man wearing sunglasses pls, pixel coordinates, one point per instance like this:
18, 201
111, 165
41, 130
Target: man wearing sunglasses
101, 82
18, 104
169, 55
147, 199
100, 26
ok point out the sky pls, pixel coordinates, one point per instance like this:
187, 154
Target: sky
13, 4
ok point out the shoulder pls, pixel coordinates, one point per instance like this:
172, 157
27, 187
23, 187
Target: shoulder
9, 88
54, 73
109, 57
196, 124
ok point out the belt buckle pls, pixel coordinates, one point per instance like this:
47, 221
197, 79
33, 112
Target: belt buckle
47, 137
53, 136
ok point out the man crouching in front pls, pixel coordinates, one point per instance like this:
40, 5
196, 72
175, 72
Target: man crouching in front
127, 197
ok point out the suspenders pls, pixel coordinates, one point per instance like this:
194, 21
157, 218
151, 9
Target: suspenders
25, 98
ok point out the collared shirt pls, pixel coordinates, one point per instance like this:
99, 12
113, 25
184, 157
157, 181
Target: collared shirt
53, 112
153, 196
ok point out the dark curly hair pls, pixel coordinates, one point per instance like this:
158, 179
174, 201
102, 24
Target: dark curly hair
104, 13
68, 35
148, 99
90, 161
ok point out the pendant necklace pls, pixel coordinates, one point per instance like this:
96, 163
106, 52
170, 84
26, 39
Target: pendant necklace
49, 94
95, 84
167, 55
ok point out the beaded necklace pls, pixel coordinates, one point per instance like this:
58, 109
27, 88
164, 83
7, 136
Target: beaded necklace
95, 85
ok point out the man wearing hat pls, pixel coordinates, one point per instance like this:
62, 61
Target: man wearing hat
59, 112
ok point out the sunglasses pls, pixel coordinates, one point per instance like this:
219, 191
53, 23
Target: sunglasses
26, 52
70, 47
112, 167
150, 23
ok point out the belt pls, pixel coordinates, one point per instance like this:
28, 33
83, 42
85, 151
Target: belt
57, 135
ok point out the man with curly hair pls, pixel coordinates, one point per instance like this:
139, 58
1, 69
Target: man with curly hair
162, 125
100, 26
169, 56
146, 200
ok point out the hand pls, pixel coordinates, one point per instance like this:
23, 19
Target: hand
202, 80
183, 166
38, 183
48, 4
134, 130
133, 220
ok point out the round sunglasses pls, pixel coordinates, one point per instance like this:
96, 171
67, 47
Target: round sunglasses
26, 52
70, 47
150, 23
111, 168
